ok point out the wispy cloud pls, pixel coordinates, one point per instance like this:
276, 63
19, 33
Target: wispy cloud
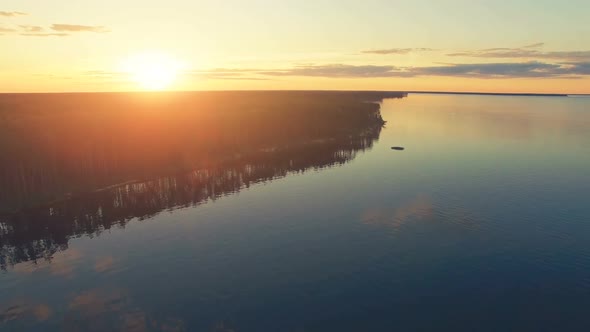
527, 52
51, 34
78, 28
5, 30
535, 45
397, 51
500, 70
533, 69
55, 30
12, 14
337, 71
31, 28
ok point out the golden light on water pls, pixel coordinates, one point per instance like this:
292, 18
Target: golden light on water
153, 70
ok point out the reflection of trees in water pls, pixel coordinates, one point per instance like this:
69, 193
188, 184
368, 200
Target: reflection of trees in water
313, 143
36, 233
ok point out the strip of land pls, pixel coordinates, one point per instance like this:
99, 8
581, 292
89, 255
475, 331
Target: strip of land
489, 93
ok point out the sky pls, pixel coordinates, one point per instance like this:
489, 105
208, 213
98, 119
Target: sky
540, 46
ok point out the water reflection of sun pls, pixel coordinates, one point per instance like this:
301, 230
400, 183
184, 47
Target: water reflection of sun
152, 71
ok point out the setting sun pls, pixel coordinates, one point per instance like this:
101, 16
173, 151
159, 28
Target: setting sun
152, 71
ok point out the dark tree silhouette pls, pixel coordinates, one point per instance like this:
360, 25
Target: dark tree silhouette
100, 168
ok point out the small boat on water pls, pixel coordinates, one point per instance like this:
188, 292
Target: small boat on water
399, 148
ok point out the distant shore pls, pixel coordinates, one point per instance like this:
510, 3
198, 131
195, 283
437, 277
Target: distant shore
490, 93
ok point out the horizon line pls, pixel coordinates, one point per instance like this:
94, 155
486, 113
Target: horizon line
532, 94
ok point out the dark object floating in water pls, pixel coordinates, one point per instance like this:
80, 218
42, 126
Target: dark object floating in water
399, 148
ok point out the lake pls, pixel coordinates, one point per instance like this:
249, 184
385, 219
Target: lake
482, 223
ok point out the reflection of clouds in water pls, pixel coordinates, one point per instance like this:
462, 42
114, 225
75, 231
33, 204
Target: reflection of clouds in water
221, 327
421, 208
91, 310
94, 310
64, 263
24, 311
113, 310
61, 264
104, 264
42, 312
134, 322
417, 209
171, 325
26, 267
95, 303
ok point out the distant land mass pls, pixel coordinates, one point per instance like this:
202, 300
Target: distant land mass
490, 93
86, 141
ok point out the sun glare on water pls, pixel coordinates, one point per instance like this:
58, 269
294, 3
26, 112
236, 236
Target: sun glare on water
153, 71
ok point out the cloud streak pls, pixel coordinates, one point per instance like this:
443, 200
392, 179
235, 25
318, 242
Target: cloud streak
5, 30
501, 70
535, 45
31, 28
55, 30
78, 28
532, 69
12, 14
337, 71
51, 34
525, 52
397, 51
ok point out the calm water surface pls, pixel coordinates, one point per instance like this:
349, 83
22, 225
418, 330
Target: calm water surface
481, 224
